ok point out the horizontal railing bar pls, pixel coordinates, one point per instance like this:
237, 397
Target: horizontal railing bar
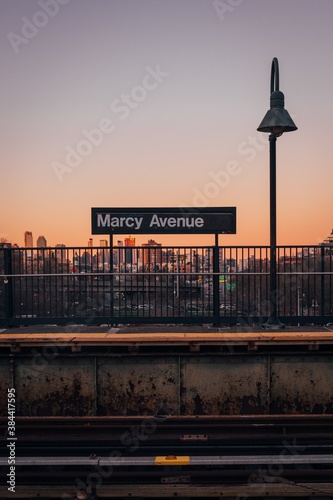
186, 273
129, 274
115, 247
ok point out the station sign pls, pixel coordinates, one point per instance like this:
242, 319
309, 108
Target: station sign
163, 220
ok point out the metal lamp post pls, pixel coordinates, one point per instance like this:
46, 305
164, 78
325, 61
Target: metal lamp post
276, 121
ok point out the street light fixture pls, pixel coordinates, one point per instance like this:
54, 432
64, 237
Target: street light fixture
276, 121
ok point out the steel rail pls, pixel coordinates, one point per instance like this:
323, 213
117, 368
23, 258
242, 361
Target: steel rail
167, 491
174, 460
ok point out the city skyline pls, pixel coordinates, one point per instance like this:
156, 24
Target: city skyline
126, 241
156, 103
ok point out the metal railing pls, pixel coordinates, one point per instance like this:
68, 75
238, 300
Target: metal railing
155, 284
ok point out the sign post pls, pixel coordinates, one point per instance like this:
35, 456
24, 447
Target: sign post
216, 281
111, 274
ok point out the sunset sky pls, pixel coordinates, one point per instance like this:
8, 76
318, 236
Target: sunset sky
155, 103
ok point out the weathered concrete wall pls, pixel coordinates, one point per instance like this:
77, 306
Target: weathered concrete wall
138, 386
225, 386
301, 384
84, 384
64, 386
6, 382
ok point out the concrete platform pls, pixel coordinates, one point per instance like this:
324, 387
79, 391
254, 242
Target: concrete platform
81, 335
139, 371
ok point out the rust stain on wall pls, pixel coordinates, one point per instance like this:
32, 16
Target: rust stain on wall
138, 387
302, 385
63, 387
175, 384
222, 386
5, 383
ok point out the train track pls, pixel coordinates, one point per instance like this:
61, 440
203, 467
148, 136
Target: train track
220, 432
163, 456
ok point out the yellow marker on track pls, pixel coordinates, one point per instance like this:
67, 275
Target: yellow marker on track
172, 460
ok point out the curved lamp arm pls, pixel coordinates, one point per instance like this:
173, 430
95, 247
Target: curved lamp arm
275, 73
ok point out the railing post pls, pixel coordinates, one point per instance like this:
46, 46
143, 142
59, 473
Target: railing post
8, 271
216, 282
322, 284
111, 277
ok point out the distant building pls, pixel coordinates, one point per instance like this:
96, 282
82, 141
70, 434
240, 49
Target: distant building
130, 254
61, 253
119, 254
6, 244
86, 260
328, 242
41, 242
28, 240
103, 255
152, 257
28, 243
129, 242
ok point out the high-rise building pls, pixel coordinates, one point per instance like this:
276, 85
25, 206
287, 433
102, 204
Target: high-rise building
119, 254
152, 257
41, 242
61, 253
130, 254
103, 255
28, 241
129, 242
